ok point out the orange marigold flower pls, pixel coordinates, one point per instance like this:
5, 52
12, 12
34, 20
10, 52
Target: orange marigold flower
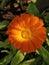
26, 32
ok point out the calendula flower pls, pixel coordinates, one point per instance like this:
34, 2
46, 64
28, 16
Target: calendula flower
26, 33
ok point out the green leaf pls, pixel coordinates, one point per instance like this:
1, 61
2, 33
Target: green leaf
46, 18
13, 50
5, 51
45, 54
17, 58
43, 63
42, 16
34, 1
1, 44
28, 62
47, 29
47, 40
3, 3
34, 61
6, 59
4, 44
3, 24
32, 9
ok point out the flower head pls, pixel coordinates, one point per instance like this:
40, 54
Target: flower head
26, 32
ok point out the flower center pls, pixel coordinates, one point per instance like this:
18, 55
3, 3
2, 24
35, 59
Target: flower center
26, 34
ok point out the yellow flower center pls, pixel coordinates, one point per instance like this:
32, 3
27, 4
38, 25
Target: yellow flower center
26, 34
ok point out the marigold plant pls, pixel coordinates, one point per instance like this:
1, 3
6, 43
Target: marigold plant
26, 32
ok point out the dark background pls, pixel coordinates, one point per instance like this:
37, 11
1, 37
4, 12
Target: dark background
42, 4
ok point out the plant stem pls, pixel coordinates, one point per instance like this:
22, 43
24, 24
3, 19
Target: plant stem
21, 4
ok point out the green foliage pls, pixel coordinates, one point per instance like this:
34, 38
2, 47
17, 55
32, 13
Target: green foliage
3, 3
17, 58
46, 18
44, 63
4, 44
6, 59
47, 28
28, 62
45, 54
47, 40
34, 61
34, 1
4, 24
14, 56
32, 9
1, 44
